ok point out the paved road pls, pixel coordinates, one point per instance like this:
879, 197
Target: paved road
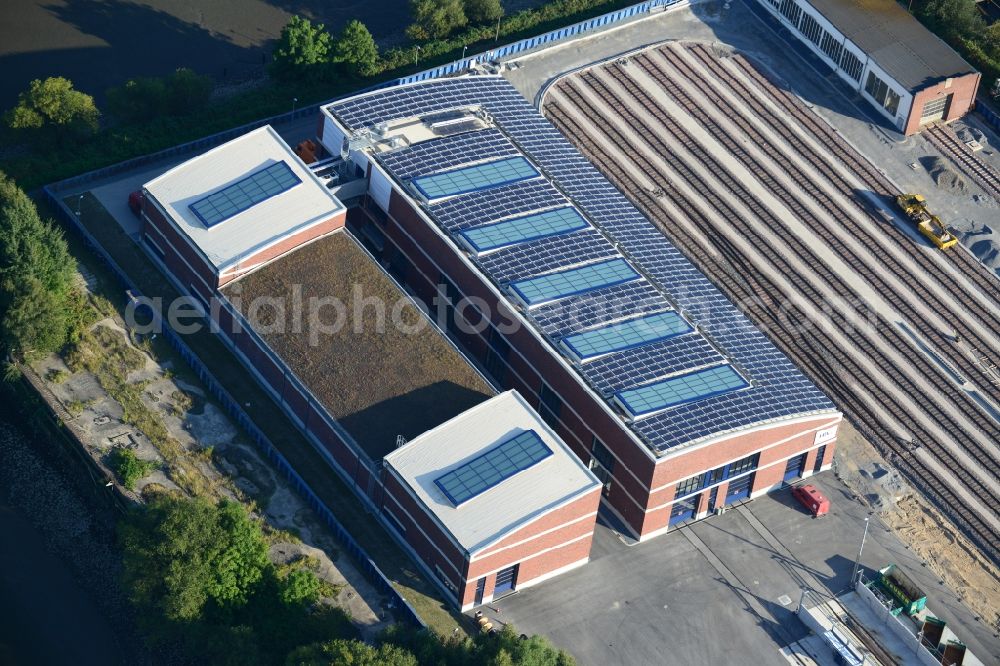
724, 589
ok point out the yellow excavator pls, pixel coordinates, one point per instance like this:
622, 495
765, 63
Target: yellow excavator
915, 207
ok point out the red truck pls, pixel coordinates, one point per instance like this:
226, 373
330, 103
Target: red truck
135, 203
812, 499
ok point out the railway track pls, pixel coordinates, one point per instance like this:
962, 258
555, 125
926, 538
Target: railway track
767, 177
983, 278
970, 366
948, 143
988, 317
738, 277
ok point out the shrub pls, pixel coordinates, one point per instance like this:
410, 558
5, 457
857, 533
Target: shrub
129, 467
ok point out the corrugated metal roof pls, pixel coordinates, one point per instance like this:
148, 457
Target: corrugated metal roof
486, 517
910, 53
264, 223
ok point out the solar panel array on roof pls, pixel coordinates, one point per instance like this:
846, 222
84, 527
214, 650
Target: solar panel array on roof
626, 335
521, 229
552, 304
244, 193
486, 470
676, 390
478, 177
552, 286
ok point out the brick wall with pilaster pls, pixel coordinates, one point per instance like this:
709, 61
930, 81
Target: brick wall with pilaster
530, 361
963, 91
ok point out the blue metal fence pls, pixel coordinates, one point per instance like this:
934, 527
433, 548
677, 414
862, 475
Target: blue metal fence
989, 114
233, 408
529, 43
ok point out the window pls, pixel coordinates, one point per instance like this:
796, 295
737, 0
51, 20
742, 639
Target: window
688, 486
743, 465
396, 525
549, 406
811, 29
881, 93
444, 579
831, 47
602, 464
154, 246
398, 266
496, 356
851, 65
716, 475
790, 11
891, 102
450, 295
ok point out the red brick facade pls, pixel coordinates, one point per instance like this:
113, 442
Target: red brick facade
553, 542
192, 267
963, 99
641, 487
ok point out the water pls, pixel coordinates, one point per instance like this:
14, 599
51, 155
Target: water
46, 615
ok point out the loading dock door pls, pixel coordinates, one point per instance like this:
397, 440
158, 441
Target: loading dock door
739, 488
794, 467
506, 580
684, 509
935, 109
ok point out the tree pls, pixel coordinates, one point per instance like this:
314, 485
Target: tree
434, 19
483, 11
182, 554
350, 653
302, 48
187, 91
54, 102
137, 100
952, 19
39, 303
356, 49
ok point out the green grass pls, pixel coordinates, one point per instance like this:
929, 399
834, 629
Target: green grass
314, 469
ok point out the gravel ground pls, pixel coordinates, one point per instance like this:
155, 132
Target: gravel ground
920, 526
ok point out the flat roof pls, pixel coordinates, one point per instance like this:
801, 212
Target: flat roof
590, 292
467, 441
907, 51
379, 380
233, 201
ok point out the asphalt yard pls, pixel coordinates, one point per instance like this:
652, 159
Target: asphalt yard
724, 589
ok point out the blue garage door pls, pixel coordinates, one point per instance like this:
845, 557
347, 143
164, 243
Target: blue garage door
506, 580
684, 509
739, 488
794, 467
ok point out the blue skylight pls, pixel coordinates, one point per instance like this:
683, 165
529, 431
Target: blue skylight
523, 229
245, 193
680, 389
471, 179
626, 335
496, 465
552, 286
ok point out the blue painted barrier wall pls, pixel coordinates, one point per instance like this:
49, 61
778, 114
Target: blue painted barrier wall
529, 43
989, 114
233, 408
